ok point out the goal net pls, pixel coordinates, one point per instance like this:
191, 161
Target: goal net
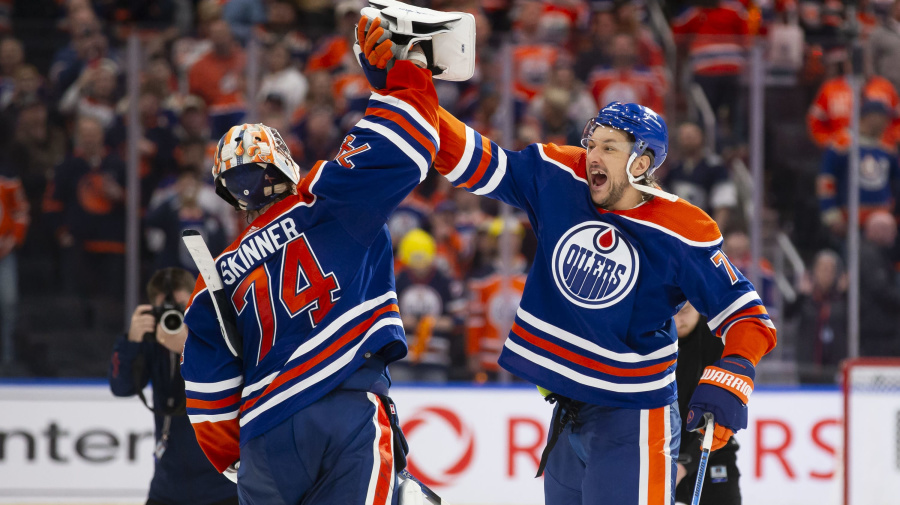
871, 389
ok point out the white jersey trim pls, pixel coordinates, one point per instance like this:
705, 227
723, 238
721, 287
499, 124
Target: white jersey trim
671, 233
317, 377
565, 336
398, 141
213, 387
643, 450
498, 175
409, 109
465, 159
731, 309
256, 386
586, 380
214, 418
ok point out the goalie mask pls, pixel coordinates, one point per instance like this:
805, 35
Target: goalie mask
253, 167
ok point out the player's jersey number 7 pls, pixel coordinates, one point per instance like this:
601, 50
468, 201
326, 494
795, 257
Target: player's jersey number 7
304, 287
720, 260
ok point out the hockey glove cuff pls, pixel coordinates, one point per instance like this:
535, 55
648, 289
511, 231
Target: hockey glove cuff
724, 391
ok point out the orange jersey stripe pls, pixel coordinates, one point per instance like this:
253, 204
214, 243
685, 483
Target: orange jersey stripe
680, 217
587, 362
570, 156
656, 446
385, 480
486, 158
214, 404
750, 338
407, 127
219, 442
413, 85
756, 310
328, 351
453, 142
199, 286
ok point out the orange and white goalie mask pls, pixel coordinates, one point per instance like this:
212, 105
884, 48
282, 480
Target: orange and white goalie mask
253, 167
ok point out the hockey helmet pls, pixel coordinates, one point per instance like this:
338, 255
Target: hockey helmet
253, 166
647, 127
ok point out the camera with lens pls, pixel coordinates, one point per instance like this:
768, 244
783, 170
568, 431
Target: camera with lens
169, 315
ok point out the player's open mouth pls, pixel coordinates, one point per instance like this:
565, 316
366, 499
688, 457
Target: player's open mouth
598, 179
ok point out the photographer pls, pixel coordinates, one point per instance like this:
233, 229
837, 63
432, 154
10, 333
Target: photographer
151, 352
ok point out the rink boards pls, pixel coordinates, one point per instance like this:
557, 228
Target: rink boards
75, 443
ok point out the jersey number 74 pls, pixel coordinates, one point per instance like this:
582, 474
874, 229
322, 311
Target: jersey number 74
304, 288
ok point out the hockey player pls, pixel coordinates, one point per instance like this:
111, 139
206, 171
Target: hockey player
616, 258
303, 417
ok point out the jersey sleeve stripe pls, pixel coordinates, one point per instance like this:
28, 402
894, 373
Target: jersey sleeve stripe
465, 159
427, 133
498, 175
745, 299
413, 111
758, 311
421, 144
319, 376
589, 346
483, 164
213, 387
323, 355
403, 123
751, 338
586, 380
401, 144
587, 362
214, 404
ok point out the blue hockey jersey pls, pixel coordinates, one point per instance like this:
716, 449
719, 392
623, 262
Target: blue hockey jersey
595, 322
311, 280
878, 173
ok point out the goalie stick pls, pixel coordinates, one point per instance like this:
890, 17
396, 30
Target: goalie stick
704, 458
207, 267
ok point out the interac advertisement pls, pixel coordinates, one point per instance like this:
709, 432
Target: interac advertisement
478, 446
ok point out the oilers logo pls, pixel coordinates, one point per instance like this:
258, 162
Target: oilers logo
594, 266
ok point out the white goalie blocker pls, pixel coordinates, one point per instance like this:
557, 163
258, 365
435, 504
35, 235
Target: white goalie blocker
447, 38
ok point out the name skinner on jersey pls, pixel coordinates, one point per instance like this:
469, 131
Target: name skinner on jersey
254, 248
594, 266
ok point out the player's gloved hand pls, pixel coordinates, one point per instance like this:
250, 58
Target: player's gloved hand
723, 390
373, 48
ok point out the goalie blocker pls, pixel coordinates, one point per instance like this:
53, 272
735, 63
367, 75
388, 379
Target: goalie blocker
446, 38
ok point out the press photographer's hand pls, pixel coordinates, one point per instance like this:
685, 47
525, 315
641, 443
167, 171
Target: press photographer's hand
172, 341
142, 322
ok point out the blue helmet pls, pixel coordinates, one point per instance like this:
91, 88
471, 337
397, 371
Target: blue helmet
648, 127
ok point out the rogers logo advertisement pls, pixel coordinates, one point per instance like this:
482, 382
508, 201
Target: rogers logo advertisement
459, 440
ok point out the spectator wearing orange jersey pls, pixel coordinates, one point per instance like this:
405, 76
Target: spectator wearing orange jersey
828, 118
13, 225
218, 77
715, 35
624, 81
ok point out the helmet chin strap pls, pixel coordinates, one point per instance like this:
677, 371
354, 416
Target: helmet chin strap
643, 187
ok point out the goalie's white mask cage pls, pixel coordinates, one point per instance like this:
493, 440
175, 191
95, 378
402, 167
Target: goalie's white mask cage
871, 388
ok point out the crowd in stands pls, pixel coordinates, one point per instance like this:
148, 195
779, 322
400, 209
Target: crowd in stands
206, 65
